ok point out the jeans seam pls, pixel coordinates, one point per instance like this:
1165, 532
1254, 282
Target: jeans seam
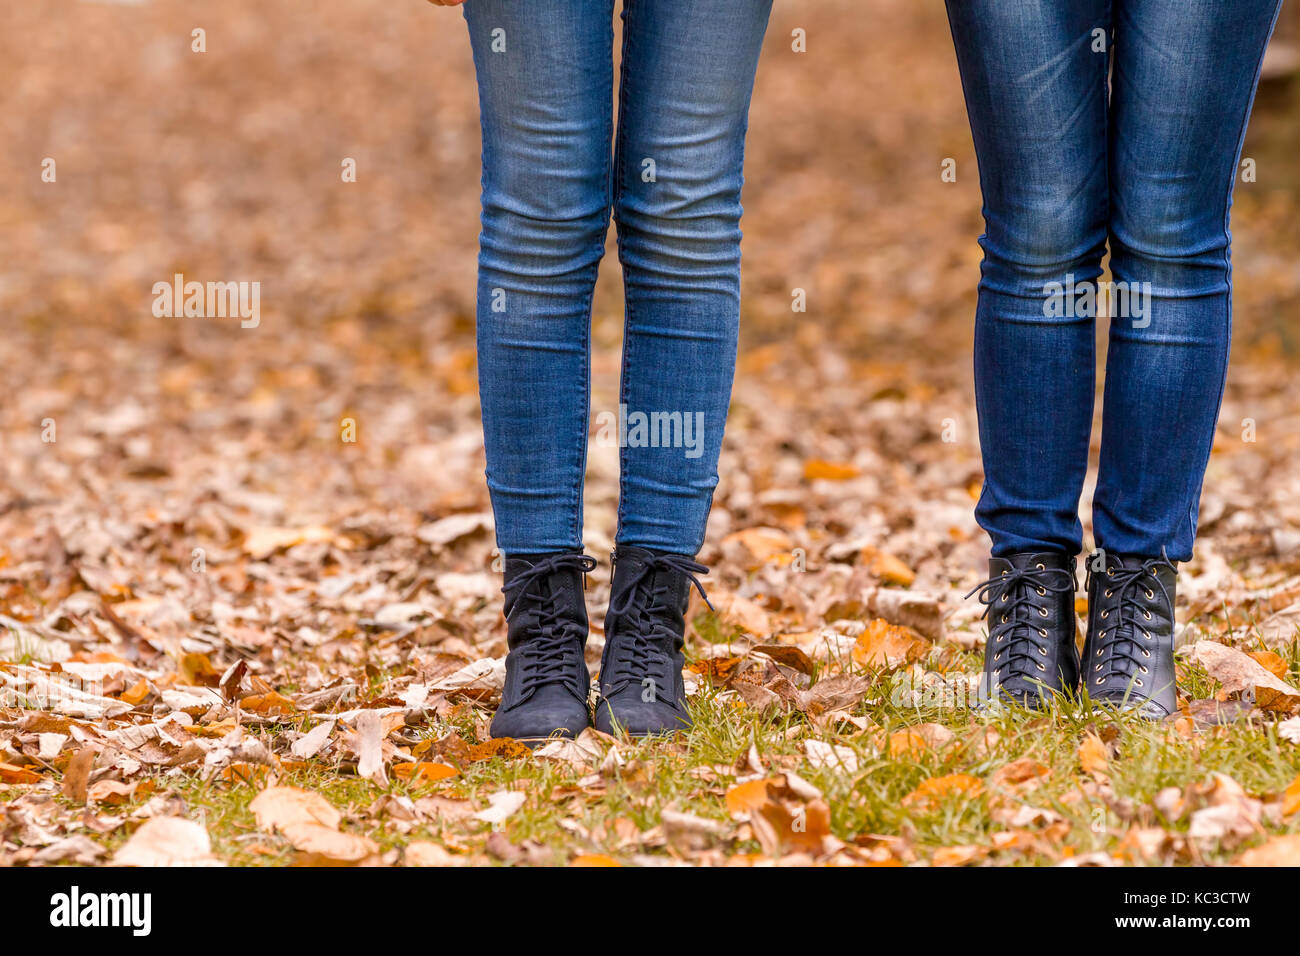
620, 169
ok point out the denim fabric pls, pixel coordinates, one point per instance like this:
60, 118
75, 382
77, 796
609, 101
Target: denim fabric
1103, 122
553, 169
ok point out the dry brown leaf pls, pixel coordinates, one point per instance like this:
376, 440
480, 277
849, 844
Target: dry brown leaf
759, 545
885, 646
1240, 674
262, 542
167, 841
268, 704
888, 568
1278, 851
278, 807
915, 741
76, 777
325, 844
959, 855
1093, 756
934, 790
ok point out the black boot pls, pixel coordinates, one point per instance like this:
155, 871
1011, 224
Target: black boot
1031, 651
547, 683
1129, 652
641, 689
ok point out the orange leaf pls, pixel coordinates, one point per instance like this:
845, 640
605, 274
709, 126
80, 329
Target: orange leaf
1271, 662
887, 567
934, 789
828, 470
1093, 756
423, 771
11, 774
885, 645
506, 748
594, 859
745, 798
1291, 798
138, 692
267, 704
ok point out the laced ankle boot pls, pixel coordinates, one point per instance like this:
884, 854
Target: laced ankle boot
1129, 651
547, 683
1031, 652
641, 689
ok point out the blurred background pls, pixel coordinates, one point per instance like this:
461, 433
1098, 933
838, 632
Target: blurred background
225, 165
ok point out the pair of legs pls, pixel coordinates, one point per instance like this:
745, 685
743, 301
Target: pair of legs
554, 167
1101, 123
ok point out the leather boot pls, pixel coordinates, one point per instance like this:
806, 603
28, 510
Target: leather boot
547, 683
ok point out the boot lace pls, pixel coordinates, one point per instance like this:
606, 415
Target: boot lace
643, 641
552, 656
1018, 643
1118, 643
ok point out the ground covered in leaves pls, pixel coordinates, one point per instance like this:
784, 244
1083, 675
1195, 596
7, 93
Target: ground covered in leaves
232, 635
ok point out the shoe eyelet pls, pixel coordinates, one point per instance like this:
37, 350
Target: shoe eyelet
1042, 591
1042, 612
1147, 615
1004, 574
1105, 613
1004, 619
1099, 652
1004, 599
1042, 651
1097, 668
1146, 635
1151, 595
997, 656
1042, 632
1099, 681
1146, 654
1040, 567
1137, 682
1108, 592
997, 672
1145, 671
1042, 668
1110, 572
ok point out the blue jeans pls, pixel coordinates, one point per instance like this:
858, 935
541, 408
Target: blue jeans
1073, 157
553, 169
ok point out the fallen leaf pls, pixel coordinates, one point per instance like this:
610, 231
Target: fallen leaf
278, 807
888, 646
1239, 674
167, 841
1278, 851
501, 805
934, 790
77, 775
1093, 756
423, 772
